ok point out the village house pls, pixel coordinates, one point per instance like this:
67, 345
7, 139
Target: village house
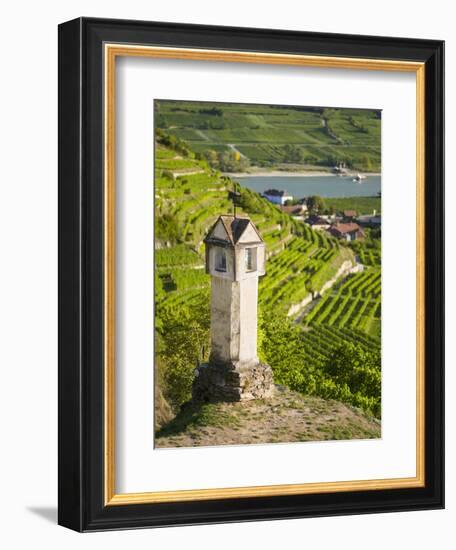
277, 196
295, 210
348, 231
348, 215
371, 220
318, 222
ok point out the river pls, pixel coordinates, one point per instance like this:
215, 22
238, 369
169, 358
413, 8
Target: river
325, 186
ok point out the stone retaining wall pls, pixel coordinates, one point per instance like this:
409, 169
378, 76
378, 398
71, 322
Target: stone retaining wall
345, 269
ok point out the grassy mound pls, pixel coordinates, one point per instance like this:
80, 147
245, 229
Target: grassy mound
287, 417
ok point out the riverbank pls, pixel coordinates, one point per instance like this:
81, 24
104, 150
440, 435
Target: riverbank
293, 174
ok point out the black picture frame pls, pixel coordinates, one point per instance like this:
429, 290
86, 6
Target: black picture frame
81, 325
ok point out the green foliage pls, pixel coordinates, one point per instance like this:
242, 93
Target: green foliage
158, 286
280, 344
226, 160
358, 371
251, 202
185, 338
167, 174
358, 368
362, 205
172, 142
167, 165
315, 204
189, 278
211, 111
349, 371
293, 153
178, 255
167, 228
232, 161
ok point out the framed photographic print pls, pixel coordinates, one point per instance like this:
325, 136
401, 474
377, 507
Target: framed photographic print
251, 274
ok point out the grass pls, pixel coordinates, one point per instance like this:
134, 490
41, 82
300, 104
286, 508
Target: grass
198, 416
362, 205
287, 416
350, 431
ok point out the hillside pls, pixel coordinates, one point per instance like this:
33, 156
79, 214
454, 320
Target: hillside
300, 260
287, 417
313, 313
266, 135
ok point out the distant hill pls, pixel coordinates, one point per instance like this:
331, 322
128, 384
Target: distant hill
287, 417
272, 135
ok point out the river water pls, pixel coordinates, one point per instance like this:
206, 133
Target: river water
325, 186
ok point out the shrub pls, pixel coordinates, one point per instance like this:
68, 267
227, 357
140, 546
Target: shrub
184, 335
167, 228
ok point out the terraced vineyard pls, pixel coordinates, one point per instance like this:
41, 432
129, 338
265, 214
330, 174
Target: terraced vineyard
300, 260
300, 263
353, 305
300, 269
179, 255
321, 343
370, 256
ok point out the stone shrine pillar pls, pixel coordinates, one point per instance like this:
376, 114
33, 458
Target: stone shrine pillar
235, 258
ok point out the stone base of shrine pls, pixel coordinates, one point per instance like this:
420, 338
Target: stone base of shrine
232, 382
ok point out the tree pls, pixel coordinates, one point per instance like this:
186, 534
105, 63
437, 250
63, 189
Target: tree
359, 370
211, 156
167, 228
281, 346
250, 202
184, 339
315, 204
232, 161
292, 153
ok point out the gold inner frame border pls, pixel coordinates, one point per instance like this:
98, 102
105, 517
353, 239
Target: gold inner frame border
111, 53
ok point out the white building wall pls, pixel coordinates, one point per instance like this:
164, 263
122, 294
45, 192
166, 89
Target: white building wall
221, 329
234, 319
248, 309
229, 273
